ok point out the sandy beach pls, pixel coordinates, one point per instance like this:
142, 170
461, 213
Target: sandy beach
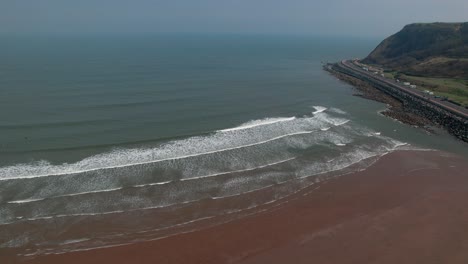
408, 207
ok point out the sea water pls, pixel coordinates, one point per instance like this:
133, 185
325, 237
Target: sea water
173, 129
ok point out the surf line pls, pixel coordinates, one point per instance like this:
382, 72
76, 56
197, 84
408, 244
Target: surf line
257, 123
319, 109
149, 184
63, 195
243, 170
166, 159
336, 168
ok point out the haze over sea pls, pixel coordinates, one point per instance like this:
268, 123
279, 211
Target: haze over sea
163, 125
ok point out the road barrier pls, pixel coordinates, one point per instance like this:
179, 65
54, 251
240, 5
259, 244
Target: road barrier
456, 122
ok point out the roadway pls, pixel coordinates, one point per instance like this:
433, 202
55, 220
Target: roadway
455, 109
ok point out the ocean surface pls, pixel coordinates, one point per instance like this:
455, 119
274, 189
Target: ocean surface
107, 140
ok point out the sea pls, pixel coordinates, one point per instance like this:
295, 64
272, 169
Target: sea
116, 139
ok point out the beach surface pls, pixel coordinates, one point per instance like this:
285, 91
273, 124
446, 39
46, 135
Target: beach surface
408, 207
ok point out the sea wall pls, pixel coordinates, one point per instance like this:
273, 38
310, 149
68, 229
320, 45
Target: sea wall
453, 123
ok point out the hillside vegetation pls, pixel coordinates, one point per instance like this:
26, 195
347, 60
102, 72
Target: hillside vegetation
428, 50
433, 56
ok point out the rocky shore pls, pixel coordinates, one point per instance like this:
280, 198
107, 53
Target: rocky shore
396, 108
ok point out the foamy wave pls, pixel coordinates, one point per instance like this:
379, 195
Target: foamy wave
345, 160
74, 241
243, 193
337, 111
70, 195
25, 201
306, 171
152, 184
319, 109
156, 183
173, 177
256, 123
232, 186
195, 146
400, 144
334, 121
340, 122
45, 164
237, 171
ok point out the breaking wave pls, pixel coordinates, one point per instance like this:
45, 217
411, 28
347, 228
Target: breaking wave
276, 156
257, 132
262, 122
319, 109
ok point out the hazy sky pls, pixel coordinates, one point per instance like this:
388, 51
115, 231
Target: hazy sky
332, 17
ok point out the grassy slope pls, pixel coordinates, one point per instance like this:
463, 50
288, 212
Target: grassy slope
430, 50
454, 89
433, 56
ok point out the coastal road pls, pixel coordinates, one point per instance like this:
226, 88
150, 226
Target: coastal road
455, 109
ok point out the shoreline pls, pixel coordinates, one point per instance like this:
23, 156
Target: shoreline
408, 106
395, 108
408, 207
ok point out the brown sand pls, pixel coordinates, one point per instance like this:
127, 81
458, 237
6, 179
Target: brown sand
409, 207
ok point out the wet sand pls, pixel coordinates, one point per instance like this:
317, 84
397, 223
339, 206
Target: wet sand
408, 207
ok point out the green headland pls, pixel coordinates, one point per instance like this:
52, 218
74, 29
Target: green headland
432, 56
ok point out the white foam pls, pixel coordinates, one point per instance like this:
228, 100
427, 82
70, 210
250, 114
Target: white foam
152, 184
400, 144
340, 122
236, 171
65, 195
344, 160
25, 201
74, 241
340, 144
337, 111
180, 149
319, 109
77, 215
160, 160
46, 217
242, 193
334, 121
156, 183
232, 161
348, 159
90, 192
178, 225
339, 163
256, 123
